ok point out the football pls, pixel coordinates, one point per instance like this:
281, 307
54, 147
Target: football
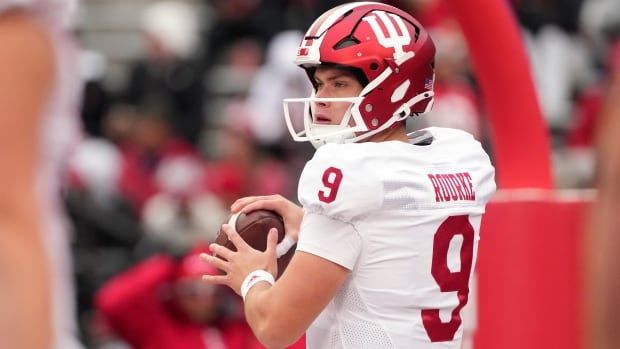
253, 227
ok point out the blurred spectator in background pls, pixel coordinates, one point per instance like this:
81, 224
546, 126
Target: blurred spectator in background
105, 225
239, 166
170, 72
574, 154
229, 80
163, 303
589, 103
274, 81
184, 212
151, 141
240, 20
560, 60
96, 100
39, 91
118, 124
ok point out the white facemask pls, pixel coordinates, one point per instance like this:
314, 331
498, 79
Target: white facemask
320, 134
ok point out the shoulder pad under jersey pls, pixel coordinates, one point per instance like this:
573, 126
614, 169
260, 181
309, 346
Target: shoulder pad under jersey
339, 183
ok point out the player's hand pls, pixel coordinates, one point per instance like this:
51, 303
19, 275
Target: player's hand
237, 265
291, 213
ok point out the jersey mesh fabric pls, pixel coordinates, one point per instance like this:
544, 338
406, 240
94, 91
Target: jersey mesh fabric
374, 335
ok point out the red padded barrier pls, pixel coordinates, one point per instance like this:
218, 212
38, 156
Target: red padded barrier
529, 274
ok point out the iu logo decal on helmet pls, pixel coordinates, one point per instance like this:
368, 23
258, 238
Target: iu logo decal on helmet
385, 45
389, 37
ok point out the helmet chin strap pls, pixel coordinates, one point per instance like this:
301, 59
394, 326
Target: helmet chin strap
334, 134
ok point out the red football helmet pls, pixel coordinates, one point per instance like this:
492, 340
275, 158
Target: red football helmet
393, 52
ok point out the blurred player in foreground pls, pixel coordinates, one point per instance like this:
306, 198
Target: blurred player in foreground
389, 230
39, 96
603, 234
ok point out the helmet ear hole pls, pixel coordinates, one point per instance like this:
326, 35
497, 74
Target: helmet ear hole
374, 66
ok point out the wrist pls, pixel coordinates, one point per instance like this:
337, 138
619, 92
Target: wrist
254, 278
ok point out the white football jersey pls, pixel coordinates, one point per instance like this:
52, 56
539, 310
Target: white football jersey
59, 132
405, 219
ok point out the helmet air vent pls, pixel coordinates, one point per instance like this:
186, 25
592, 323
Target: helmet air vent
346, 42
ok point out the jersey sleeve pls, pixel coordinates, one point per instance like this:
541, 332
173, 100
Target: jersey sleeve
330, 239
336, 183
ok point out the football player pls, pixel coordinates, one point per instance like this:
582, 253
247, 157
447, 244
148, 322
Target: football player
388, 234
39, 97
602, 262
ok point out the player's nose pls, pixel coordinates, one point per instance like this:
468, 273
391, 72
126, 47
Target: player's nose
322, 104
321, 94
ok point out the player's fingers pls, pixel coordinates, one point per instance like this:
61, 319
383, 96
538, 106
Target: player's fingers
221, 251
239, 203
274, 204
216, 279
215, 261
272, 242
236, 239
242, 202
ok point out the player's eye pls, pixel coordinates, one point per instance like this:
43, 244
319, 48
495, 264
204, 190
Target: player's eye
340, 84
